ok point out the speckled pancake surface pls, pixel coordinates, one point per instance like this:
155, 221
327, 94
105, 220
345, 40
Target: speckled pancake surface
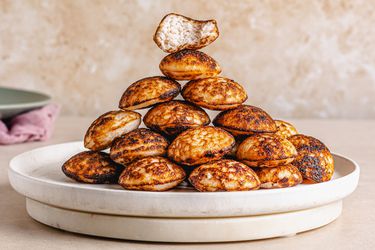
266, 150
174, 117
279, 177
92, 167
189, 65
200, 145
137, 144
245, 120
224, 175
149, 91
216, 93
314, 160
151, 174
285, 129
109, 126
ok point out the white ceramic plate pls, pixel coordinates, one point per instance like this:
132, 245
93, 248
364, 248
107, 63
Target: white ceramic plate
14, 101
185, 229
37, 175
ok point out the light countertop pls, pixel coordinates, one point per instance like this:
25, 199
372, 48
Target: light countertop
353, 230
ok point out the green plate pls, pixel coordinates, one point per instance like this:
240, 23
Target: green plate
15, 101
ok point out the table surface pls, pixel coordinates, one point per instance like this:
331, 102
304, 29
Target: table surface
353, 230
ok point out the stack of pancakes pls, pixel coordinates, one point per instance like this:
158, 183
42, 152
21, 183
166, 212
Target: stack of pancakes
245, 149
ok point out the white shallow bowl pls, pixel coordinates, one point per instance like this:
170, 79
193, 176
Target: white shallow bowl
15, 101
37, 175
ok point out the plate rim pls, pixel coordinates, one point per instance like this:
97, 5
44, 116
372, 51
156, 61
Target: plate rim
47, 99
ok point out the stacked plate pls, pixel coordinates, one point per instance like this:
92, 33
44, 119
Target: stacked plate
181, 215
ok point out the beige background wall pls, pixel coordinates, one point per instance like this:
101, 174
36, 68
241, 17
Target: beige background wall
296, 58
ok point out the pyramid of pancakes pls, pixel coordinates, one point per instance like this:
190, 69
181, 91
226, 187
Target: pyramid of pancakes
243, 149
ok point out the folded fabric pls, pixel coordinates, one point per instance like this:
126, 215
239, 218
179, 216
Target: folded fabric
35, 125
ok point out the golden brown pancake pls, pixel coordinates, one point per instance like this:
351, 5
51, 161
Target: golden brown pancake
108, 127
149, 91
245, 120
172, 118
92, 167
138, 144
224, 175
314, 160
200, 145
279, 177
216, 93
189, 65
285, 129
266, 150
151, 174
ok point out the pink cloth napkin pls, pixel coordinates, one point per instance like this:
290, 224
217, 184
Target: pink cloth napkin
35, 125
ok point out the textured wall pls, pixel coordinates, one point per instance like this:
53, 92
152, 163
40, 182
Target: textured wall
296, 58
